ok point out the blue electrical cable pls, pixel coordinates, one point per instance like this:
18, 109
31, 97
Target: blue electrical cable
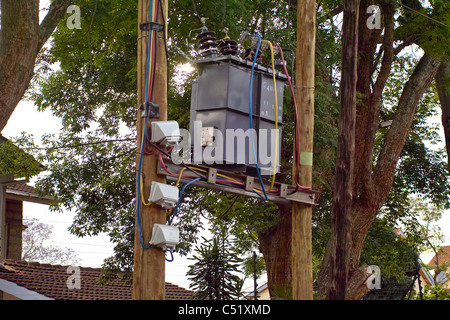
179, 199
251, 113
139, 189
171, 253
259, 195
147, 75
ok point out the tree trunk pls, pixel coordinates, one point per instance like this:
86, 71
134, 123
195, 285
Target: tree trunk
366, 207
275, 244
21, 39
443, 89
343, 191
368, 107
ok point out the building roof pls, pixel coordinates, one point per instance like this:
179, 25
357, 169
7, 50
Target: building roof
44, 281
259, 289
23, 192
20, 188
443, 257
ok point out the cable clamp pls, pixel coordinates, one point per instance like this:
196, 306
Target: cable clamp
151, 110
154, 26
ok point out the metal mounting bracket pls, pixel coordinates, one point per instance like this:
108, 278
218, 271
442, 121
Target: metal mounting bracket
242, 184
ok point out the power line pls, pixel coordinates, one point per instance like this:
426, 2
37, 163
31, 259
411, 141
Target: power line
82, 244
420, 13
73, 146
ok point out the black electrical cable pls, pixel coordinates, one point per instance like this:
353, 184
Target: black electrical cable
155, 39
168, 155
164, 29
159, 7
295, 190
220, 215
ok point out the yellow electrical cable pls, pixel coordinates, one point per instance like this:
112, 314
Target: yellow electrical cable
223, 176
219, 174
179, 176
276, 112
198, 169
144, 202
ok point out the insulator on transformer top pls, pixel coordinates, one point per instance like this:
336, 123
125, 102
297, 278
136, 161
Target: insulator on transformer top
208, 43
250, 54
228, 47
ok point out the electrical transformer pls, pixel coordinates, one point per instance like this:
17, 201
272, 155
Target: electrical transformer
222, 133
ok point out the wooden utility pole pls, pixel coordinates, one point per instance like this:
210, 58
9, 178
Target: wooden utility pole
302, 279
149, 264
343, 190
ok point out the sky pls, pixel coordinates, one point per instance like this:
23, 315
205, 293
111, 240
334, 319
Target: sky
91, 251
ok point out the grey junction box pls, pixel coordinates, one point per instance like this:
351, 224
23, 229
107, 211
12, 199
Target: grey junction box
220, 114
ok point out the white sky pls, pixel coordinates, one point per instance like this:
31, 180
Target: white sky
91, 251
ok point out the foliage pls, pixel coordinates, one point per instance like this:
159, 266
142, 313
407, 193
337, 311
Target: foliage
36, 248
384, 248
16, 161
422, 170
395, 254
391, 288
427, 22
434, 293
251, 268
243, 218
213, 275
92, 163
96, 82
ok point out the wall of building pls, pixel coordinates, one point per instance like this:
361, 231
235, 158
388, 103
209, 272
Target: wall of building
7, 296
14, 226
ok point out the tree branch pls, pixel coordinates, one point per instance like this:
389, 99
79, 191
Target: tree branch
443, 88
388, 53
56, 12
407, 42
384, 171
343, 195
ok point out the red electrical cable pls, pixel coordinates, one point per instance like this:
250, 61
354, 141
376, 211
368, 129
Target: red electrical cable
297, 128
154, 37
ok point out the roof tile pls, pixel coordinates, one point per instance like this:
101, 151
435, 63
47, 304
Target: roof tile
443, 255
51, 281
